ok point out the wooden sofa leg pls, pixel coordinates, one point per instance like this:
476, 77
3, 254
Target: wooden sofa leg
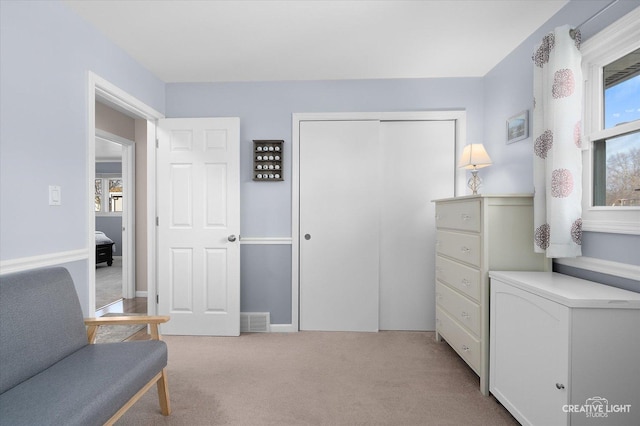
163, 393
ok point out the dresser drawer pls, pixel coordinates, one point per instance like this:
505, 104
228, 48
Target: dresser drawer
464, 247
459, 307
463, 215
464, 278
467, 346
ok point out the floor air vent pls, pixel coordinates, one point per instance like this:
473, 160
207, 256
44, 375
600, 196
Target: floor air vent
254, 322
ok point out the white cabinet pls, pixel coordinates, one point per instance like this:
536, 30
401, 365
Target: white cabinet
475, 234
564, 351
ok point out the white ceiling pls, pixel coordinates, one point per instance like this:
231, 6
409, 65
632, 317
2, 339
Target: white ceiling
265, 40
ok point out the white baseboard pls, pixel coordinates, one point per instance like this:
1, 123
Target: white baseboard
42, 260
141, 294
282, 328
617, 269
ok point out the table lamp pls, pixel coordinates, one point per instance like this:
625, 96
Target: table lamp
474, 157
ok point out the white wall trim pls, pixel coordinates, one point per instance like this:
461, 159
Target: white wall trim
141, 294
617, 269
42, 260
611, 226
282, 328
265, 240
460, 118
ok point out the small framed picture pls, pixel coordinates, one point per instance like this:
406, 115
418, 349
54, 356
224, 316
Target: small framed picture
518, 127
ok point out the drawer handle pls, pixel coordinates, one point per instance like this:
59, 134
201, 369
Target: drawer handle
466, 316
559, 386
466, 282
466, 348
465, 249
465, 216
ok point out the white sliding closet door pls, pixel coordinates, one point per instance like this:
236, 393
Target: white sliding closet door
365, 204
339, 225
418, 159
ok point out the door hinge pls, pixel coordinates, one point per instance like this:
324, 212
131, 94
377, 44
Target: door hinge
157, 221
157, 299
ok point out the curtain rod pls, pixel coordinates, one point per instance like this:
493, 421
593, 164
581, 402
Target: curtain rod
573, 31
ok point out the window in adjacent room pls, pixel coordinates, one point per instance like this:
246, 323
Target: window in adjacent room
611, 160
98, 197
108, 195
115, 195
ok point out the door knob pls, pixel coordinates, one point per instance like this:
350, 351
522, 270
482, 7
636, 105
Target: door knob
307, 236
231, 238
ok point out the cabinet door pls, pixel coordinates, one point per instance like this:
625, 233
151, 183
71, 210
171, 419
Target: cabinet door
529, 355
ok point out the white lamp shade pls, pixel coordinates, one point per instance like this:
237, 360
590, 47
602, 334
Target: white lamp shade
474, 156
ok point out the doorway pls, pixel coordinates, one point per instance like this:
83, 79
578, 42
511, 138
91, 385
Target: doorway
115, 212
145, 133
385, 169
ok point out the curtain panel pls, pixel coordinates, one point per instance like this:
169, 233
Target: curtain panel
557, 133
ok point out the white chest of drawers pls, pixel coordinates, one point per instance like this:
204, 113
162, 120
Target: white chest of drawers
564, 351
475, 234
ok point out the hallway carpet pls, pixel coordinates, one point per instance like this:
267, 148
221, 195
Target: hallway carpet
318, 378
108, 282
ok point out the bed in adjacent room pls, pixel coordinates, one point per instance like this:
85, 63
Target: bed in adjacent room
104, 248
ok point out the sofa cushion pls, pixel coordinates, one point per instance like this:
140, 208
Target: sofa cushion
41, 322
87, 387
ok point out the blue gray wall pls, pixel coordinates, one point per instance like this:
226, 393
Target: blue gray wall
47, 51
265, 111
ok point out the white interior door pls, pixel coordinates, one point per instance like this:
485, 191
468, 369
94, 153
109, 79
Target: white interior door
199, 224
418, 165
338, 234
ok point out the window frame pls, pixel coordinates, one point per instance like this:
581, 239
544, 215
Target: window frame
615, 41
105, 177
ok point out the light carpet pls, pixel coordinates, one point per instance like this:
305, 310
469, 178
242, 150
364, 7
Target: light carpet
318, 378
108, 282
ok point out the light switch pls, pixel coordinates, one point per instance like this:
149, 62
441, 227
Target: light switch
55, 195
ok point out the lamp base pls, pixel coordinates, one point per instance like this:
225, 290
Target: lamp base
474, 181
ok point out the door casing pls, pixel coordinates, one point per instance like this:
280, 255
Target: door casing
459, 116
128, 214
107, 92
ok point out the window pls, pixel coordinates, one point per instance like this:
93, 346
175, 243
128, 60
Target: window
115, 195
98, 197
611, 160
108, 198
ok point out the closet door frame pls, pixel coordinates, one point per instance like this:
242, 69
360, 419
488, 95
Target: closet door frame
460, 118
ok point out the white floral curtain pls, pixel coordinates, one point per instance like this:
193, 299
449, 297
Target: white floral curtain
557, 163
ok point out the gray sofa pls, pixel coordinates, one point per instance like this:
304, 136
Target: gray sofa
50, 374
